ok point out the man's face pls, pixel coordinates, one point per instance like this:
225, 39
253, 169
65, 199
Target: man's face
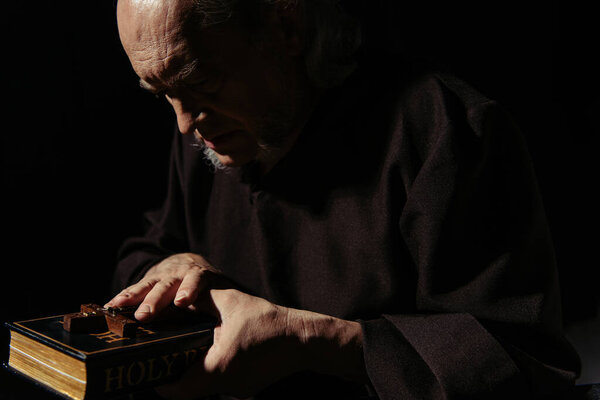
239, 101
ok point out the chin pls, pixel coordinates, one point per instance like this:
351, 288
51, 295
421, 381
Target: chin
225, 161
231, 162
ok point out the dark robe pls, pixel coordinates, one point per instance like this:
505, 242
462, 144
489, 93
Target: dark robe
408, 204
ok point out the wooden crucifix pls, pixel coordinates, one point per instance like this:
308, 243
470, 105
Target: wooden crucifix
92, 318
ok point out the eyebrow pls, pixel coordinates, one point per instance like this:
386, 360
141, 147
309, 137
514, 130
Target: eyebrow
172, 81
146, 86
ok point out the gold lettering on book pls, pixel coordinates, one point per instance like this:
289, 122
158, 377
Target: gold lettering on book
144, 331
169, 363
110, 378
151, 376
148, 370
108, 337
142, 373
190, 356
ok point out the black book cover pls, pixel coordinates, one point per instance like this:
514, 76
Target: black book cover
113, 365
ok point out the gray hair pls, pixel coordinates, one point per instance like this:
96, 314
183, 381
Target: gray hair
332, 36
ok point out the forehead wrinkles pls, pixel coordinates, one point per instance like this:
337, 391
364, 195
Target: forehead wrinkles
154, 40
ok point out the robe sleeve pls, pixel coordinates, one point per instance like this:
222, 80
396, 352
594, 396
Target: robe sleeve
487, 323
165, 229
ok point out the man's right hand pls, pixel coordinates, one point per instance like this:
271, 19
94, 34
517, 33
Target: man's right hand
178, 279
255, 341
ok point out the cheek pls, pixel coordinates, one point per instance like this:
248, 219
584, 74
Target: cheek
237, 150
234, 102
250, 96
238, 158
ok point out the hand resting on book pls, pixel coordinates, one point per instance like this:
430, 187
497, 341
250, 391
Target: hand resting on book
255, 342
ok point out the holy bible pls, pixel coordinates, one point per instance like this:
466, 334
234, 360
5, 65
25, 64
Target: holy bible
102, 353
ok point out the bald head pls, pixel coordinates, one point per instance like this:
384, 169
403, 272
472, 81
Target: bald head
135, 14
244, 100
152, 34
330, 37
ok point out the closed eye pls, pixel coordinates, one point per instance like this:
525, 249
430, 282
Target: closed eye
206, 85
158, 92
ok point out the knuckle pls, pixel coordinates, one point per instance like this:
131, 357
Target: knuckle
147, 284
168, 283
201, 273
143, 286
125, 293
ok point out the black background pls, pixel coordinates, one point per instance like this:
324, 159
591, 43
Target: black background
85, 150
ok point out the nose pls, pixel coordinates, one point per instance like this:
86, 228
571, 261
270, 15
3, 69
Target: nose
188, 115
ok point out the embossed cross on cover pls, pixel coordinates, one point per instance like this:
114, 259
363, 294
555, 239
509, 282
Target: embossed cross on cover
94, 318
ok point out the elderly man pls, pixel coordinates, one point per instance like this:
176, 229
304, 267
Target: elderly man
358, 232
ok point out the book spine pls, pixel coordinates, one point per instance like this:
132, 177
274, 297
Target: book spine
138, 370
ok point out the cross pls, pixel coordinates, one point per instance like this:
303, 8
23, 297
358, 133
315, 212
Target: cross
93, 318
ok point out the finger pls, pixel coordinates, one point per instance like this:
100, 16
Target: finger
195, 281
159, 297
133, 295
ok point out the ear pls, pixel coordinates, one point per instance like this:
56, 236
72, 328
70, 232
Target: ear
290, 23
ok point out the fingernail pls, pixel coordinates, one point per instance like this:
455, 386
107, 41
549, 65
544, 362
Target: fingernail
143, 309
181, 296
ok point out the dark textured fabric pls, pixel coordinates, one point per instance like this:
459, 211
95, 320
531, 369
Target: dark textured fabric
409, 204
